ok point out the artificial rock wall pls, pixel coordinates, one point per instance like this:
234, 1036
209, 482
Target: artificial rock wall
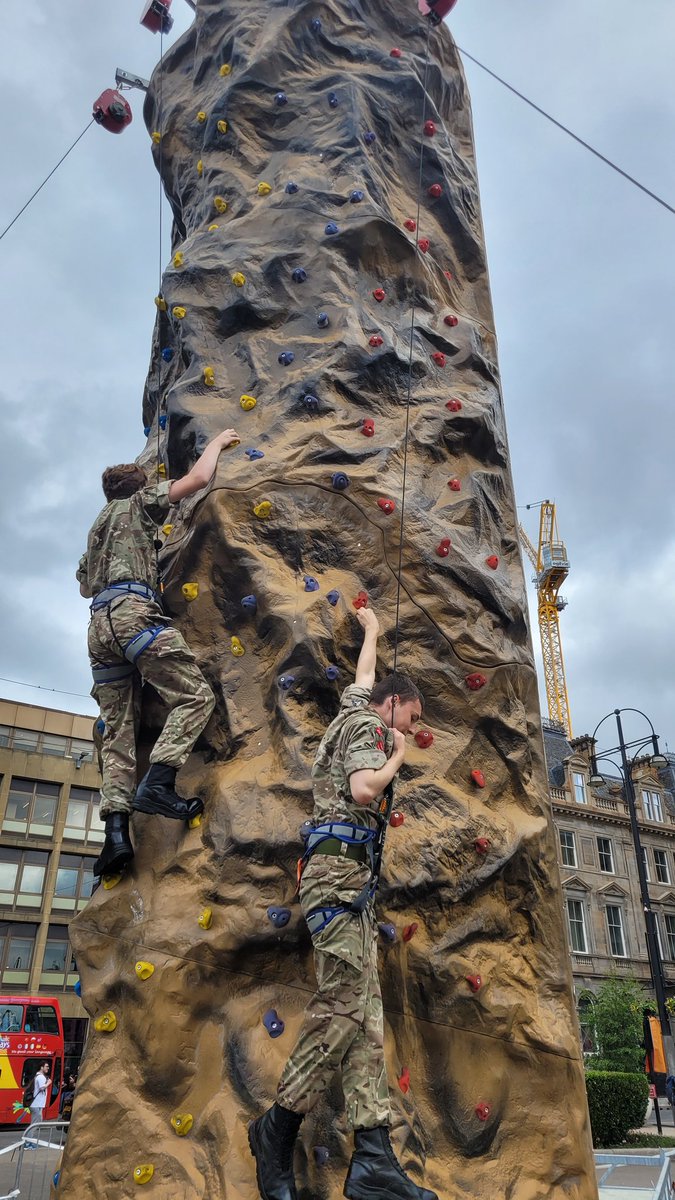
291, 142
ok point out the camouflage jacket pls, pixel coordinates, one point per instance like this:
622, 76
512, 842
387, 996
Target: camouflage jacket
120, 545
357, 739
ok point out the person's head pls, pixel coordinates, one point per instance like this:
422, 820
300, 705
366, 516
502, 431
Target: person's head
396, 699
123, 481
44, 1067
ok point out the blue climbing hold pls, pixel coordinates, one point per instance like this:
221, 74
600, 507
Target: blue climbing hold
311, 584
253, 454
333, 99
286, 358
340, 481
299, 275
286, 682
315, 25
306, 828
100, 725
56, 1178
321, 1155
332, 672
273, 1023
167, 353
311, 402
331, 228
163, 420
387, 931
281, 98
291, 187
146, 430
78, 988
333, 597
356, 196
249, 603
323, 320
279, 916
369, 137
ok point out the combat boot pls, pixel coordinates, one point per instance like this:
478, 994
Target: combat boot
117, 848
375, 1172
272, 1140
157, 793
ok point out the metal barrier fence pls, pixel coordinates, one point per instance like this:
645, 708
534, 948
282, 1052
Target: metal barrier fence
659, 1164
38, 1155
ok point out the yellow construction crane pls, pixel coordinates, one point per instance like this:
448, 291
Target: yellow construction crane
552, 567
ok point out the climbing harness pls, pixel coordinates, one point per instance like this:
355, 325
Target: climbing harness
116, 591
132, 650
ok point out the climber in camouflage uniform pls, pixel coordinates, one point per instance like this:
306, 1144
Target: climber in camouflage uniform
343, 1028
131, 641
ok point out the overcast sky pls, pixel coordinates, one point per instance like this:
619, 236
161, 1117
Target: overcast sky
583, 282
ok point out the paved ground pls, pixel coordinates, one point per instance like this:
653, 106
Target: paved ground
37, 1169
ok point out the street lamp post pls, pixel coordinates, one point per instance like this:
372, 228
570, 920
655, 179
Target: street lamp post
653, 949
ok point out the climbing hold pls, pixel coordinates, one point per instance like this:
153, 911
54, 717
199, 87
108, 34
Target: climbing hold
112, 111
190, 590
483, 1111
201, 117
396, 819
424, 244
340, 481
279, 916
451, 320
179, 312
332, 672
167, 353
429, 128
161, 470
356, 196
448, 274
56, 1178
238, 279
443, 547
305, 829
280, 99
249, 603
254, 454
369, 137
144, 970
182, 1123
178, 259
286, 682
368, 427
262, 509
200, 167
315, 24
78, 988
478, 778
163, 420
454, 405
311, 584
247, 402
106, 1023
439, 358
156, 137
225, 69
161, 303
299, 275
404, 1081
410, 931
395, 52
379, 294
375, 340
166, 529
410, 224
360, 600
236, 647
110, 882
454, 485
331, 228
475, 681
333, 99
146, 430
100, 725
291, 187
323, 320
273, 1023
321, 1155
222, 127
264, 189
386, 505
492, 562
209, 377
435, 190
424, 738
387, 931
195, 822
475, 982
333, 597
482, 845
220, 204
143, 1173
311, 402
212, 227
205, 918
286, 358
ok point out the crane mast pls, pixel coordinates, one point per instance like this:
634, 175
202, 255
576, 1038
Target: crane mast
552, 567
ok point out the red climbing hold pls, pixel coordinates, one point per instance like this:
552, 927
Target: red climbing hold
410, 224
454, 485
448, 274
443, 547
435, 190
368, 427
482, 845
375, 340
439, 358
475, 681
404, 1081
395, 52
155, 16
386, 505
451, 319
112, 111
397, 818
410, 931
454, 405
482, 1111
361, 600
424, 738
429, 128
475, 982
478, 778
424, 245
379, 294
492, 562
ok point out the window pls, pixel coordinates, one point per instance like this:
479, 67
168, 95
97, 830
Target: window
22, 877
74, 881
670, 934
567, 850
585, 1010
651, 803
605, 855
661, 866
11, 1018
16, 952
579, 787
58, 961
82, 751
83, 823
576, 920
31, 807
25, 739
41, 1018
47, 743
617, 944
53, 743
4, 735
645, 859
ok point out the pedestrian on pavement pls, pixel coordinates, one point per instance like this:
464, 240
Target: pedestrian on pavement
67, 1097
40, 1089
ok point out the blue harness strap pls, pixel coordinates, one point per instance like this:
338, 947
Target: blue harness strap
141, 641
351, 835
117, 672
111, 672
319, 918
116, 591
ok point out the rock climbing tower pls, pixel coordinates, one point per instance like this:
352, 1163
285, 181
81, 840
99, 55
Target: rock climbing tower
328, 296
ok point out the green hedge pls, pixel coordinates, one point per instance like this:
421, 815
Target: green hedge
617, 1102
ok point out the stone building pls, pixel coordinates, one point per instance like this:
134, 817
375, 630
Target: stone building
50, 834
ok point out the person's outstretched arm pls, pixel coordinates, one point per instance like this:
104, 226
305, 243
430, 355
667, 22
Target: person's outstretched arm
202, 472
365, 667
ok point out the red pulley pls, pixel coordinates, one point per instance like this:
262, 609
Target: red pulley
155, 16
112, 111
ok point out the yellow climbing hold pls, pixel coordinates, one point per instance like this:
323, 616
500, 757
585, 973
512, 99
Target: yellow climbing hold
179, 312
178, 258
143, 1173
205, 918
144, 970
156, 136
212, 227
182, 1123
110, 881
222, 127
238, 279
209, 377
107, 1023
264, 189
166, 529
225, 69
219, 204
263, 509
190, 590
161, 470
201, 117
161, 303
236, 647
248, 402
195, 822
200, 168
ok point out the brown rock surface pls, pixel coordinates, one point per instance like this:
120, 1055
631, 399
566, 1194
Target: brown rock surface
190, 1039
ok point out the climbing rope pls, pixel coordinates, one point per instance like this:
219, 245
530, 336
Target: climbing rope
158, 411
46, 179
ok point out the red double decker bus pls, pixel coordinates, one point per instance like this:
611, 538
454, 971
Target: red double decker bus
31, 1032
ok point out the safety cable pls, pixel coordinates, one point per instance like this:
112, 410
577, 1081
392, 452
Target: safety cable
42, 688
158, 410
46, 179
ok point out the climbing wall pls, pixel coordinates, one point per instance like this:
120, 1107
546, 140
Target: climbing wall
327, 257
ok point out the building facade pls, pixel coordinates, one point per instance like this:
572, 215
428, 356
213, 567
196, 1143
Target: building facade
50, 835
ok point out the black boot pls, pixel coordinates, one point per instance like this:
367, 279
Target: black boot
157, 794
117, 849
375, 1172
272, 1139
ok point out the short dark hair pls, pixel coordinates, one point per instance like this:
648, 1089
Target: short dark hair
396, 684
123, 481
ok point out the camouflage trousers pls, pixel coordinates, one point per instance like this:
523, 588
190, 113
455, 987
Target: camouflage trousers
343, 1026
171, 667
